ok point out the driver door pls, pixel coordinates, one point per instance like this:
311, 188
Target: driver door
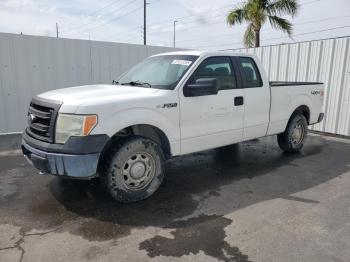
210, 121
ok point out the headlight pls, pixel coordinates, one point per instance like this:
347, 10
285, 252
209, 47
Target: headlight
74, 125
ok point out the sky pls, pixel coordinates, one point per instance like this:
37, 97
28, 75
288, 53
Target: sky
201, 24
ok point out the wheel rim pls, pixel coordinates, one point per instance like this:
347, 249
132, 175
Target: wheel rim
138, 171
298, 133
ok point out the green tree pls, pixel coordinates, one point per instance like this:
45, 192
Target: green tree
257, 12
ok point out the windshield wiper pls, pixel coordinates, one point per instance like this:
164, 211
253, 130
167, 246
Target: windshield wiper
137, 83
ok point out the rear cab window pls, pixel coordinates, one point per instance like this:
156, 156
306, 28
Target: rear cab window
250, 72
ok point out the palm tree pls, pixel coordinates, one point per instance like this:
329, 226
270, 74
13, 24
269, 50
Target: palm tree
256, 13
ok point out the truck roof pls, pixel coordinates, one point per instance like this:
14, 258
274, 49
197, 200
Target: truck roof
204, 53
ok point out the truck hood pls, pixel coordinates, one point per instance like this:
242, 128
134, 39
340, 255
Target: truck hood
91, 94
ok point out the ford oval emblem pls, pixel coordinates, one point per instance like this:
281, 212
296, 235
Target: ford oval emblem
30, 118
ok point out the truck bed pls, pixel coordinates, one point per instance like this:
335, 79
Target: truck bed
287, 96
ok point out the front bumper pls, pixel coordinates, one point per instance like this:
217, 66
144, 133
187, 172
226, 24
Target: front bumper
64, 161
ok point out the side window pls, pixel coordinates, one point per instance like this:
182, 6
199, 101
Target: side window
216, 67
250, 72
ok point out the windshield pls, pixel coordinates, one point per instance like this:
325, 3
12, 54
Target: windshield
162, 72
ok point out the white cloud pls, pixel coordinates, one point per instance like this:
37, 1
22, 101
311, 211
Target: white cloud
19, 4
27, 16
28, 6
160, 28
44, 30
206, 25
39, 17
203, 11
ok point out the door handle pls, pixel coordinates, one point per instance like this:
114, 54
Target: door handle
239, 100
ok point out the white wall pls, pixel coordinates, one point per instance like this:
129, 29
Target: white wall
32, 64
325, 61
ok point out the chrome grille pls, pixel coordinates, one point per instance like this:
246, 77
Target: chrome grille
41, 119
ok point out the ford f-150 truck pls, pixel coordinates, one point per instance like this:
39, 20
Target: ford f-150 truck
168, 105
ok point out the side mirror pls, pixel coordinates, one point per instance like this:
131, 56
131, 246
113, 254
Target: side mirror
202, 87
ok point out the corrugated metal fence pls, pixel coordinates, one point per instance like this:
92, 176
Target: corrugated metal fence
32, 64
325, 61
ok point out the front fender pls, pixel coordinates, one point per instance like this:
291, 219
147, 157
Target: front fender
168, 123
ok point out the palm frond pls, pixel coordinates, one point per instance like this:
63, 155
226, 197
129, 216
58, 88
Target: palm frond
282, 7
236, 16
256, 12
249, 36
281, 24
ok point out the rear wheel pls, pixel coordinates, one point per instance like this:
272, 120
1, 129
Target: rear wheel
294, 137
135, 170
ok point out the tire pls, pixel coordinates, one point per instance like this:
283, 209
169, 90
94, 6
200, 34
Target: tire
134, 169
294, 137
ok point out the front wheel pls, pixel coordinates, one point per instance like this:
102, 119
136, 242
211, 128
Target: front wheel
135, 170
293, 138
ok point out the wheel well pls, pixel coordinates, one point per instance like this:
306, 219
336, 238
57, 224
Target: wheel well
147, 131
304, 110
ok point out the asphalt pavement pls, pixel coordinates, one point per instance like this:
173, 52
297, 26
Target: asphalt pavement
247, 202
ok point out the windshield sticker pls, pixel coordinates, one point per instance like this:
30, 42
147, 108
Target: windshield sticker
181, 62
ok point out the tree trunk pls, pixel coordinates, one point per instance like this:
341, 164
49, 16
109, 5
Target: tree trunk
257, 38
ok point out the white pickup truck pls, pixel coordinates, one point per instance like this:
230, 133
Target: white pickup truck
168, 105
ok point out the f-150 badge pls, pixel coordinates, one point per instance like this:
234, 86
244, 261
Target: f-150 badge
168, 105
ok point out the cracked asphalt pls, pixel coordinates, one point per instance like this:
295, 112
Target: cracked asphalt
247, 202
